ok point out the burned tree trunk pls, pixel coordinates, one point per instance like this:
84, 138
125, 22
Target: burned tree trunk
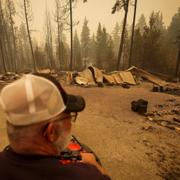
2, 55
71, 44
4, 40
49, 45
59, 30
178, 61
132, 36
29, 34
11, 13
125, 5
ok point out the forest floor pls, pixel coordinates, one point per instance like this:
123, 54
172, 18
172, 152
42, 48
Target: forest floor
128, 144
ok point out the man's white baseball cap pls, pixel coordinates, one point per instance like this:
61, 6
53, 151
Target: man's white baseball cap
37, 98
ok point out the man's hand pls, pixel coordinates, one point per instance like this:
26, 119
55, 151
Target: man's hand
89, 158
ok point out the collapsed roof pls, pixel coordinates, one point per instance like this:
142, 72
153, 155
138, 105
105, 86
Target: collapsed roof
93, 76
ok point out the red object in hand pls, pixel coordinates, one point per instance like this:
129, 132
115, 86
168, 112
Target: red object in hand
74, 147
71, 154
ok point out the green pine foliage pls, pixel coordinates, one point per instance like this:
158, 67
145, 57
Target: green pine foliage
77, 60
85, 40
154, 45
104, 49
92, 49
116, 38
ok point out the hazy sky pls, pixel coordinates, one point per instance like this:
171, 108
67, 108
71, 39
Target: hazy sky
100, 11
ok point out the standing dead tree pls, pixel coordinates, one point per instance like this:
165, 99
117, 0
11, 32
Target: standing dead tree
23, 48
5, 41
132, 36
1, 45
118, 6
1, 40
71, 31
2, 56
71, 27
61, 19
178, 58
10, 15
49, 39
64, 11
28, 18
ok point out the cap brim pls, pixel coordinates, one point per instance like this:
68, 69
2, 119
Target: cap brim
75, 103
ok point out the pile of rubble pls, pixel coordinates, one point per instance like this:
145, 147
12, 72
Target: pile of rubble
11, 76
8, 77
167, 115
170, 88
93, 76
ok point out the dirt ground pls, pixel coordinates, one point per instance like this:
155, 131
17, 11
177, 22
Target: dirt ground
129, 145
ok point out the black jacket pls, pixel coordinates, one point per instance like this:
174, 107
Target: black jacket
15, 166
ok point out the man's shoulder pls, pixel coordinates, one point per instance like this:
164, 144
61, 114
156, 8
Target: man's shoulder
2, 155
47, 167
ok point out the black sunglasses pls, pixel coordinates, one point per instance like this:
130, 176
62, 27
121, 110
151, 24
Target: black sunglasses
72, 116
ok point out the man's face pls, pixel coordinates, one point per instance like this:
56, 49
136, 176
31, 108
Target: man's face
65, 133
62, 142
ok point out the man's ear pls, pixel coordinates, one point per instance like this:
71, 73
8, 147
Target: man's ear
51, 132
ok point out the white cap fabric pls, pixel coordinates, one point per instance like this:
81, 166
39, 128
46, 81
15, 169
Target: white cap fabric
30, 100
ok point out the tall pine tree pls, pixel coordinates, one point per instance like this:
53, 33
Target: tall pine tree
141, 24
85, 40
92, 50
116, 38
104, 49
99, 46
173, 42
77, 61
152, 54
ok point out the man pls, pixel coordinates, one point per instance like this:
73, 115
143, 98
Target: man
39, 116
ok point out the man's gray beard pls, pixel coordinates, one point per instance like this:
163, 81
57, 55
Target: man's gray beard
63, 141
